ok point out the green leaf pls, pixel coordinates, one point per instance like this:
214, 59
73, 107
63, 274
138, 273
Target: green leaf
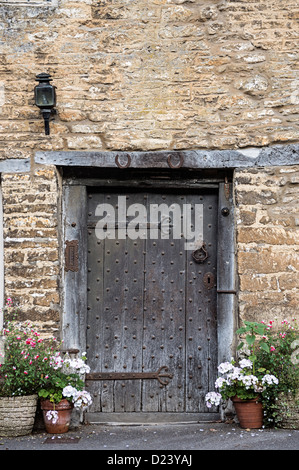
253, 358
250, 339
240, 345
241, 330
261, 329
265, 347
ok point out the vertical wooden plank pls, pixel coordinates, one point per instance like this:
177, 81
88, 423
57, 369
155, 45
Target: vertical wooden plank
130, 256
201, 323
74, 285
226, 280
164, 324
95, 321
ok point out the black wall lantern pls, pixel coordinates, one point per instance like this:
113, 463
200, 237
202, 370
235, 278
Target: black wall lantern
45, 98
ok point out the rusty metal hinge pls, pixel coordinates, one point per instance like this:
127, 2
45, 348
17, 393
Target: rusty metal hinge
226, 188
71, 255
159, 375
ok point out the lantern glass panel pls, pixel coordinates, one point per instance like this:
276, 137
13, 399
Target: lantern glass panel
45, 96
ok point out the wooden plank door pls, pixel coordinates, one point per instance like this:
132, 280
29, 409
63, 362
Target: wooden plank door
151, 315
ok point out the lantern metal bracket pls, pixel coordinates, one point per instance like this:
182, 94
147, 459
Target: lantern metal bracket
46, 113
45, 98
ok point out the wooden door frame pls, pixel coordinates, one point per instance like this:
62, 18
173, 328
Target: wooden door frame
74, 277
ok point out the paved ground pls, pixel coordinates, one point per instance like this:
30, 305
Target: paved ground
163, 439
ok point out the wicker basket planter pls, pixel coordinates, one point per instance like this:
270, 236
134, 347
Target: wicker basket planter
17, 415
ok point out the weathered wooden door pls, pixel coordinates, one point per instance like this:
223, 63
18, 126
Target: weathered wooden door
151, 321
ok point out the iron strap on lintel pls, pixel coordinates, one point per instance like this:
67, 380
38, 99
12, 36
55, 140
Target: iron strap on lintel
159, 375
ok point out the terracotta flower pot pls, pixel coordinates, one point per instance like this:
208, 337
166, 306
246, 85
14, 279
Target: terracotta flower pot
249, 412
57, 416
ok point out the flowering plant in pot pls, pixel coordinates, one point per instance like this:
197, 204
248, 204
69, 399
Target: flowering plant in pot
282, 403
64, 391
26, 360
243, 383
24, 365
32, 367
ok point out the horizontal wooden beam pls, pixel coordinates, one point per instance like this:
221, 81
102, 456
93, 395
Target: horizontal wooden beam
188, 159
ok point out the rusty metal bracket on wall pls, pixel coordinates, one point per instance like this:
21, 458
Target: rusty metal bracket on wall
159, 375
126, 165
71, 255
178, 165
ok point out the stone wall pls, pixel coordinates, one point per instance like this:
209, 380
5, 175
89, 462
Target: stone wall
267, 202
156, 74
31, 244
151, 75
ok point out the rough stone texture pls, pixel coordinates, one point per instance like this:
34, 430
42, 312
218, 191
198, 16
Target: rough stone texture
156, 74
267, 242
289, 411
17, 415
31, 246
152, 75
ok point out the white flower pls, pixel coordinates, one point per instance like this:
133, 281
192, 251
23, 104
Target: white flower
235, 374
52, 416
77, 364
220, 381
269, 379
245, 363
213, 398
225, 367
56, 361
248, 380
82, 400
69, 391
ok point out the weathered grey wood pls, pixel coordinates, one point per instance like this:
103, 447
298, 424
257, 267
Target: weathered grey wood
201, 183
139, 309
74, 285
201, 312
269, 156
149, 418
164, 316
15, 165
226, 275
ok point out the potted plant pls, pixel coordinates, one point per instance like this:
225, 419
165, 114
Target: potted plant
243, 382
282, 403
32, 366
22, 370
63, 392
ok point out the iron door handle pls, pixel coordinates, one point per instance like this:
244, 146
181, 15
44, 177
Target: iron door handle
200, 254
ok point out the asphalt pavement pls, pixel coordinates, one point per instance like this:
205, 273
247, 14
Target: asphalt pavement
173, 444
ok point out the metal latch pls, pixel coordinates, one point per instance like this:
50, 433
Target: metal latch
200, 254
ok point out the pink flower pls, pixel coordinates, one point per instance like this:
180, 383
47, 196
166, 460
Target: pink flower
25, 372
272, 348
